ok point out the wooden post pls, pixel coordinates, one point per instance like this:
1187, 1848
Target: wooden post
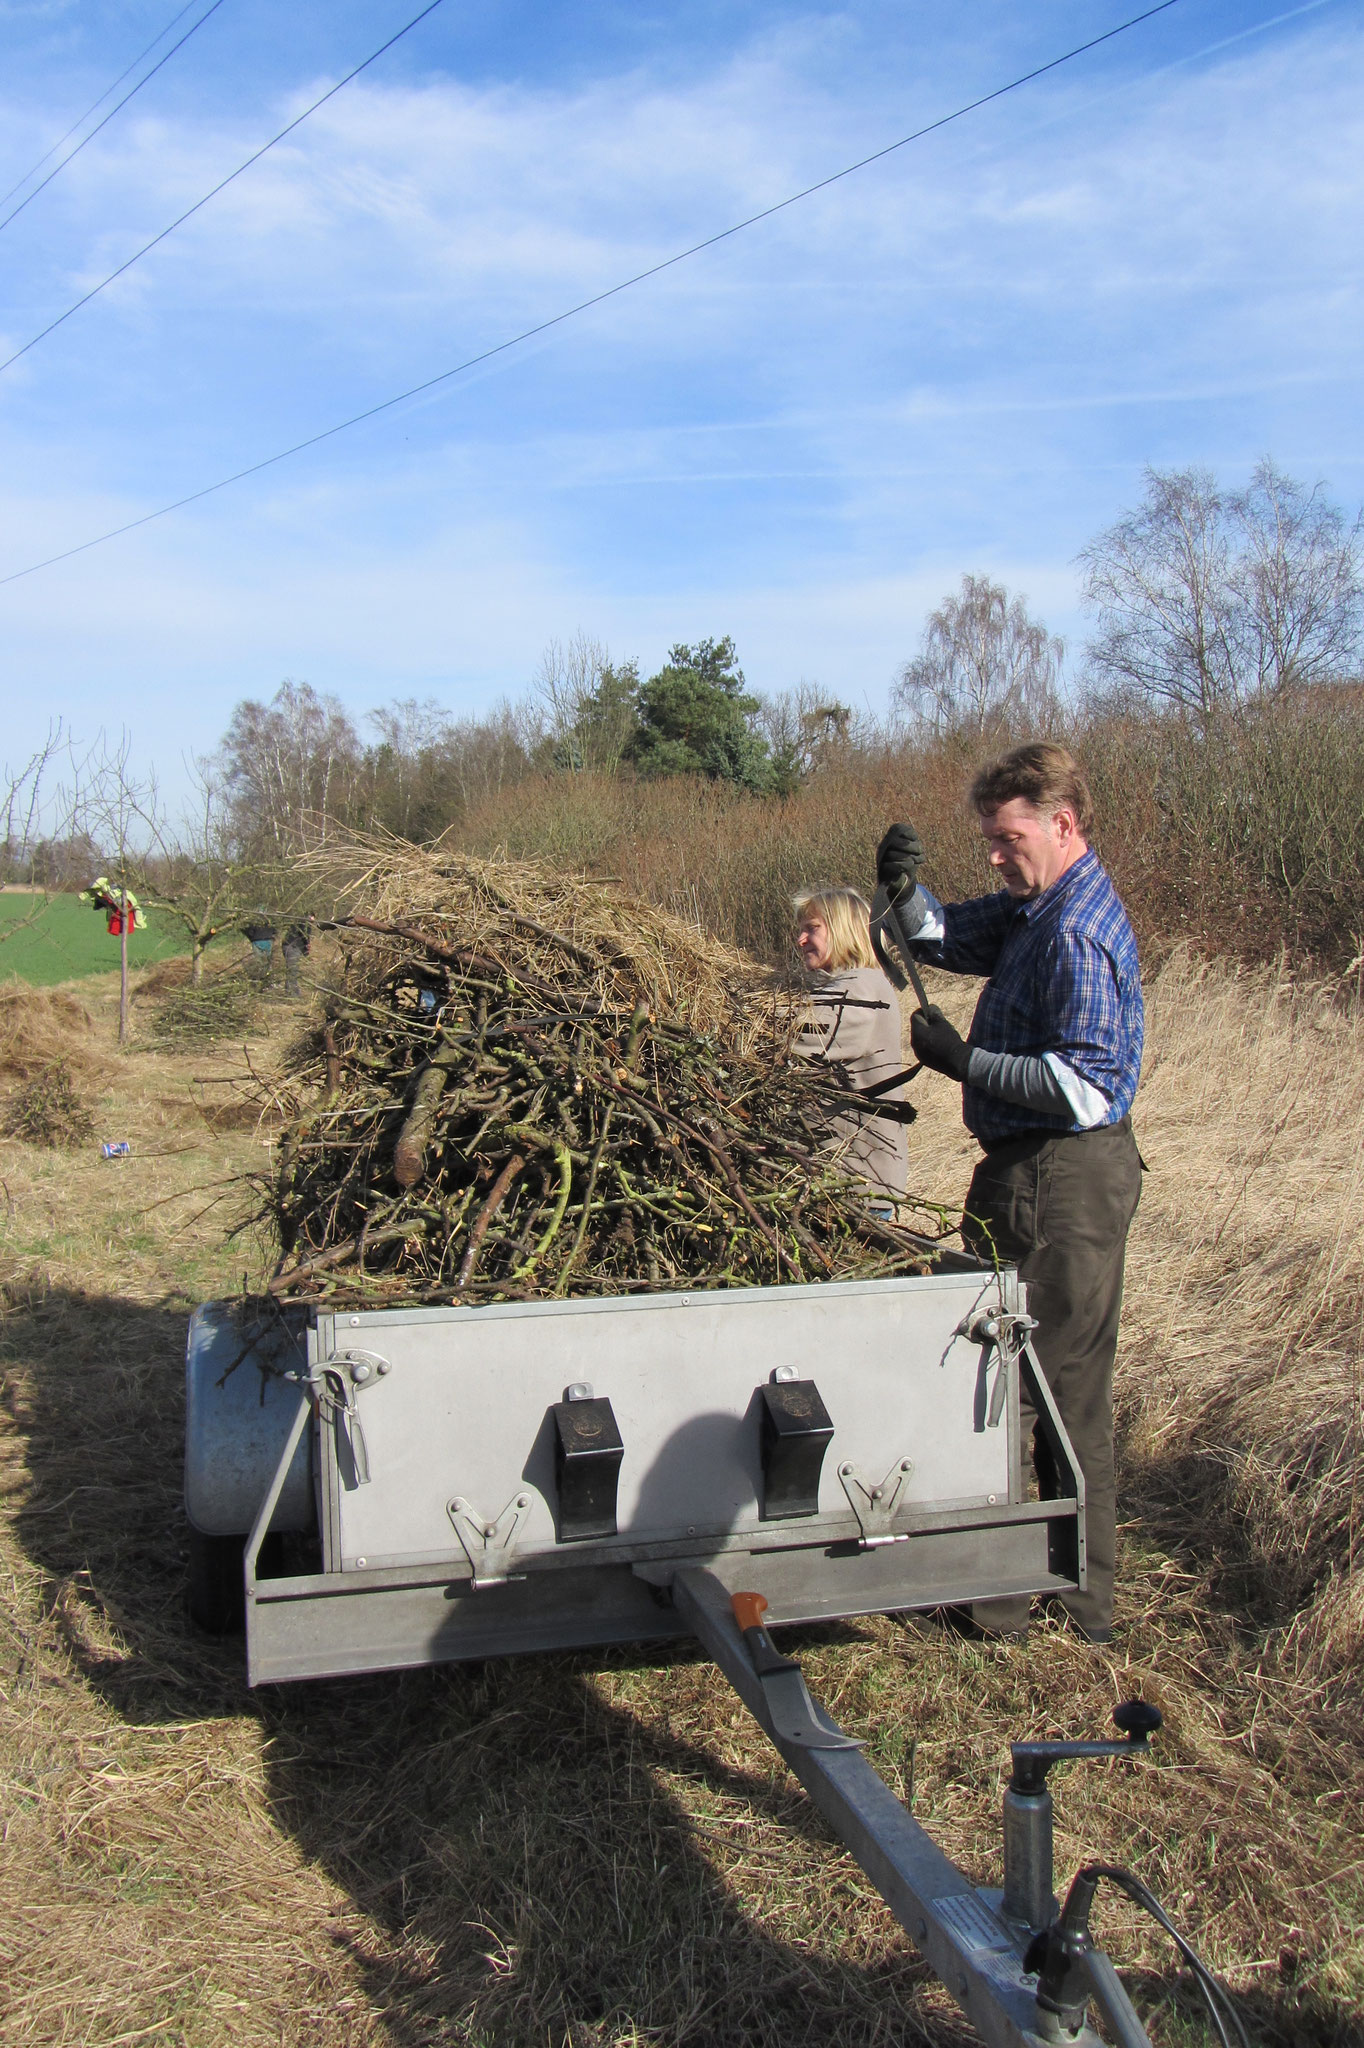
123, 966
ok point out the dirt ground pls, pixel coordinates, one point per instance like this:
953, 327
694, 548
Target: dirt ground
602, 1849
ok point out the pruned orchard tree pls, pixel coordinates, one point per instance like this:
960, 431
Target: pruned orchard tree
186, 868
1207, 598
113, 809
985, 668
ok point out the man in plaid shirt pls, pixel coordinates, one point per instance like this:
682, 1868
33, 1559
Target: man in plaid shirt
1048, 1072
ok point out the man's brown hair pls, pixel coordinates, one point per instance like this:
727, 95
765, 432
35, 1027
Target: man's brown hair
1044, 775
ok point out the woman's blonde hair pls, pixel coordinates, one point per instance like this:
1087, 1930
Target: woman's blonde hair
848, 917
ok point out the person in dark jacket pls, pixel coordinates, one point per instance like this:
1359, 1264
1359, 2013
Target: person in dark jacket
297, 945
260, 932
1048, 1072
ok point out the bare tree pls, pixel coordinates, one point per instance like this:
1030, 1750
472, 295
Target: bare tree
1297, 578
565, 679
806, 730
985, 667
488, 753
412, 736
33, 818
589, 704
287, 763
1205, 598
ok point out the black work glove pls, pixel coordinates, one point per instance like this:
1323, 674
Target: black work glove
939, 1044
897, 860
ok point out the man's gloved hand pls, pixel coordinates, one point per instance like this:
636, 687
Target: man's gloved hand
939, 1044
897, 860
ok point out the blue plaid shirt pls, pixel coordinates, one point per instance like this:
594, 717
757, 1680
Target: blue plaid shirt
1063, 978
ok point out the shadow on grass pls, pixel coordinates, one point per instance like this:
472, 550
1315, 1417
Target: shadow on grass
532, 1862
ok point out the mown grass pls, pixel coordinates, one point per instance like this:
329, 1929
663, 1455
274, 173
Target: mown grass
601, 1849
58, 939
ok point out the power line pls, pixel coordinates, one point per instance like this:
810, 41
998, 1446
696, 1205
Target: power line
597, 298
116, 108
254, 158
5, 197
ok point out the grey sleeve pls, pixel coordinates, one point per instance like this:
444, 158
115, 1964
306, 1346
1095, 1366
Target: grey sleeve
917, 911
1025, 1078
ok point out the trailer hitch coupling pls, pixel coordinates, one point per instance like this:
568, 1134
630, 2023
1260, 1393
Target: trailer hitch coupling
1071, 1971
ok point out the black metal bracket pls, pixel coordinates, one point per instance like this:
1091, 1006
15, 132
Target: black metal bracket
587, 1452
796, 1432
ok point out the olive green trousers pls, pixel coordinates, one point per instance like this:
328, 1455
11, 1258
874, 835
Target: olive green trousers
1060, 1205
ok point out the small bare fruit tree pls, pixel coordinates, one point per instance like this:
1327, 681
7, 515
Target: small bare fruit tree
185, 868
36, 815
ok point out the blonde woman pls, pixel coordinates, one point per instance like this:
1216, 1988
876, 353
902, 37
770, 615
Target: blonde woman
852, 1026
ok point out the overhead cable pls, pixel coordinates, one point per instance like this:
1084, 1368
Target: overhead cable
95, 105
43, 183
583, 305
221, 186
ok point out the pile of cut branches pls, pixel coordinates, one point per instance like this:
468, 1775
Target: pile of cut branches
501, 1110
48, 1109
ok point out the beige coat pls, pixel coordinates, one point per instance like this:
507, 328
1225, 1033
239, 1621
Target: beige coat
852, 1025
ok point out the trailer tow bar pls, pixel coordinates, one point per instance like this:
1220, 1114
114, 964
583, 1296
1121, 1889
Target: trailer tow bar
1022, 1982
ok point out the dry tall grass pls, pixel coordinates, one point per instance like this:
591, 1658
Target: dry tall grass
601, 1850
1241, 840
41, 1025
1244, 1401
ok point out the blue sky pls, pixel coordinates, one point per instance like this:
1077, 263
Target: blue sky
958, 359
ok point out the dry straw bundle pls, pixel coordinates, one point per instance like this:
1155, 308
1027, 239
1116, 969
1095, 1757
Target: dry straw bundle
41, 1025
528, 1085
47, 1050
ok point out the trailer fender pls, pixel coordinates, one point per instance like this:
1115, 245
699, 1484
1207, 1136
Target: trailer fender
239, 1409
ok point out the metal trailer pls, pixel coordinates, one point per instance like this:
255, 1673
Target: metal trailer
471, 1482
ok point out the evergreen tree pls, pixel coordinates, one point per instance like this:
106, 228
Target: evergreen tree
695, 718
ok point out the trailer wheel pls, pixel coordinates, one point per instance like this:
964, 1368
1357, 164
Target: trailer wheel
217, 1582
217, 1593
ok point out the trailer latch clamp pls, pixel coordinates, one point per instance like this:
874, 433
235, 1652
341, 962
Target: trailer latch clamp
488, 1545
874, 1501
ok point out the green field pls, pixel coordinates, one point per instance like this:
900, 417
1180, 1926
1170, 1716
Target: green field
68, 938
